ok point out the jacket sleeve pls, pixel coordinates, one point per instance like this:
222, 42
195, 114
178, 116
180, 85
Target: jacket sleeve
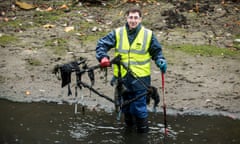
104, 44
155, 49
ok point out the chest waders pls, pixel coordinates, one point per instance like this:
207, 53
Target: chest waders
120, 89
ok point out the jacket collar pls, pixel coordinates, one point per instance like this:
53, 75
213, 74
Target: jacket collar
135, 30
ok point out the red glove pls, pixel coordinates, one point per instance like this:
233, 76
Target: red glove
105, 62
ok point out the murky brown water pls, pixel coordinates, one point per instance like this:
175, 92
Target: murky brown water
43, 123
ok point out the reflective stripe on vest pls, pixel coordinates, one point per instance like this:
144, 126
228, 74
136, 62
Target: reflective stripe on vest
135, 56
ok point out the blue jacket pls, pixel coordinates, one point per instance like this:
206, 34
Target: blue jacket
109, 41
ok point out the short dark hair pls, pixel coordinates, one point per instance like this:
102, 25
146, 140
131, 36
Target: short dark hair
134, 10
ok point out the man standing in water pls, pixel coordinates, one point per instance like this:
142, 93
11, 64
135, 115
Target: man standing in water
137, 46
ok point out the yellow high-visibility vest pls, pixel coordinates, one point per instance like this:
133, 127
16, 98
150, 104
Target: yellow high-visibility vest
134, 56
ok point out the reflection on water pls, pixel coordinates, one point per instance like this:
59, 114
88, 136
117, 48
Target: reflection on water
42, 123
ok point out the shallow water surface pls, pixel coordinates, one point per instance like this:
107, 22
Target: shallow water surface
43, 123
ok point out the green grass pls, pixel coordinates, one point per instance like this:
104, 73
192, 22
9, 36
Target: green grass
41, 18
59, 46
2, 79
204, 50
5, 39
38, 18
34, 62
11, 24
237, 44
93, 37
237, 36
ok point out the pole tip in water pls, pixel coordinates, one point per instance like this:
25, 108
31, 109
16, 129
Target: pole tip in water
166, 131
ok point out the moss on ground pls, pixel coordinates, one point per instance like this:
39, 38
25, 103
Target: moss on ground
34, 62
59, 46
6, 39
205, 50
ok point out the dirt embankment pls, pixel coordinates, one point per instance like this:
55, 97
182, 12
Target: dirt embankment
194, 83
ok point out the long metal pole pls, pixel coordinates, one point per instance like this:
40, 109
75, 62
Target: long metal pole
164, 105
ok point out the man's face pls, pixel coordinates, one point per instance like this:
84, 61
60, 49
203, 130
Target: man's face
133, 19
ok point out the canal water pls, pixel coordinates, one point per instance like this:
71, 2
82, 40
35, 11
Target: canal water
49, 123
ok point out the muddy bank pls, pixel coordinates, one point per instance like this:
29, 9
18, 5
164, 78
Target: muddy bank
195, 83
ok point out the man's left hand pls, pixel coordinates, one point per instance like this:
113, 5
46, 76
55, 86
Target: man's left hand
162, 64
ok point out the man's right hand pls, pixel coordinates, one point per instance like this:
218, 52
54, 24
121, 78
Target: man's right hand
105, 62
